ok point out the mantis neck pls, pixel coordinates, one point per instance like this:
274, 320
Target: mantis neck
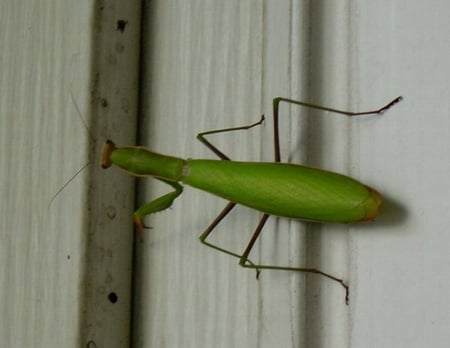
140, 161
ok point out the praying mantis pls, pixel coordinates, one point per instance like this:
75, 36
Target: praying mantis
273, 188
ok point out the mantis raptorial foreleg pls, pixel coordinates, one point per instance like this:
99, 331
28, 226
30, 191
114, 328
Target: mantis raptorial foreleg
158, 204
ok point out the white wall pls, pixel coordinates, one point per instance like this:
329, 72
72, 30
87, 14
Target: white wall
206, 65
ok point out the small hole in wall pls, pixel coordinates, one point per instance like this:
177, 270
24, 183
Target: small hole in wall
121, 24
112, 297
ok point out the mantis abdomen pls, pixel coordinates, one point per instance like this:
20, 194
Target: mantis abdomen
287, 190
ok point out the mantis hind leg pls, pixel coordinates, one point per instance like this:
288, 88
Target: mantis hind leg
244, 260
276, 103
225, 211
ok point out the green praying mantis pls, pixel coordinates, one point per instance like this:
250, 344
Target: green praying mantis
273, 188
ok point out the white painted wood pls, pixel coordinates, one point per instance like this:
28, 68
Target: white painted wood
400, 263
212, 64
216, 64
61, 62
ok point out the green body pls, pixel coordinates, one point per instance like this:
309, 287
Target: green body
281, 189
275, 188
287, 190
